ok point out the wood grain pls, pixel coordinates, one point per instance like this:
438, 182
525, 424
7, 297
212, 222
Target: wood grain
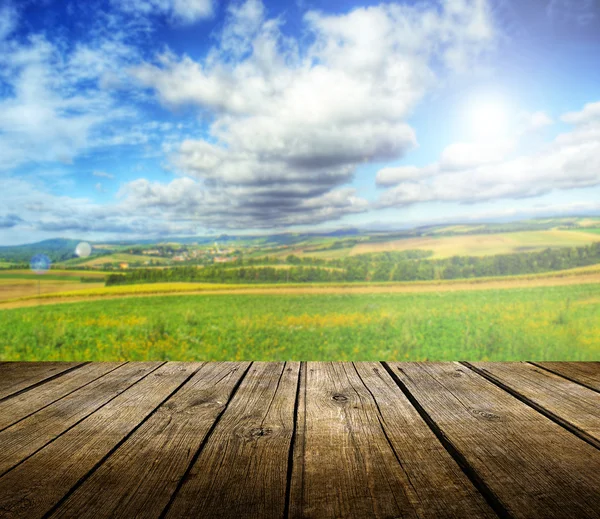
35, 486
438, 488
534, 467
142, 474
18, 376
20, 406
585, 373
242, 470
27, 436
301, 440
344, 466
568, 403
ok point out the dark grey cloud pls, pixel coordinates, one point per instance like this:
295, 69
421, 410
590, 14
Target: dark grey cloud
10, 220
290, 128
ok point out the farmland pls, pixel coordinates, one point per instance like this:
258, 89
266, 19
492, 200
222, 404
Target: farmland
23, 283
117, 258
90, 292
483, 244
497, 292
560, 322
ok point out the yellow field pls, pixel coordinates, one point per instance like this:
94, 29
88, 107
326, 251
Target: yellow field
589, 222
86, 292
483, 244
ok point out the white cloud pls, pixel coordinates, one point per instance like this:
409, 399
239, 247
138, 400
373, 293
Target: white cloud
457, 156
392, 176
289, 127
536, 121
571, 160
589, 114
54, 108
8, 20
180, 11
462, 155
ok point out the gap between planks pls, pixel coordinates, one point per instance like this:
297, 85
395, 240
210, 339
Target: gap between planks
571, 427
475, 478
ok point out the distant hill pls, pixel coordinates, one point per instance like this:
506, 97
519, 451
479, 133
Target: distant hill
61, 249
57, 249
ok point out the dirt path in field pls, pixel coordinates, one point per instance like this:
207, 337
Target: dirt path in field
487, 285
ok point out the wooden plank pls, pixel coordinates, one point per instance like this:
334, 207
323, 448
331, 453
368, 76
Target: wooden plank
140, 477
27, 436
344, 466
572, 405
585, 373
38, 484
531, 465
242, 470
438, 487
14, 409
18, 376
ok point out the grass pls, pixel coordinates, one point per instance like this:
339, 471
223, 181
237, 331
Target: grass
483, 244
575, 276
590, 230
550, 323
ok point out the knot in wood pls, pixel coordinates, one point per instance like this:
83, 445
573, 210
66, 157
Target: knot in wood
340, 398
486, 415
260, 431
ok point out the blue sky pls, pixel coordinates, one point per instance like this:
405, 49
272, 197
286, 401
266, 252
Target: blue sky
146, 118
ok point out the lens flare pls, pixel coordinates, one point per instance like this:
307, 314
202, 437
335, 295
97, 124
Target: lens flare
40, 264
83, 249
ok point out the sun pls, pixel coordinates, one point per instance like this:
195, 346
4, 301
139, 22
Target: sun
488, 119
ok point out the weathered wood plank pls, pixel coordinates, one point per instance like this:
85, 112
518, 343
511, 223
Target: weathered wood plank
438, 487
24, 404
585, 373
25, 437
38, 484
569, 403
17, 376
534, 467
344, 466
140, 477
242, 470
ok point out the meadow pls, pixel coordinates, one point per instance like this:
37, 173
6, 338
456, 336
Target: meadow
545, 323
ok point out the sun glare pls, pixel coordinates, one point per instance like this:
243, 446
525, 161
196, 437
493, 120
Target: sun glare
488, 120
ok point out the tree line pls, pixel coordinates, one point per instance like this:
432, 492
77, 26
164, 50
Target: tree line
387, 266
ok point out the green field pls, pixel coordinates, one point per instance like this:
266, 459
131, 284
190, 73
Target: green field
549, 323
591, 230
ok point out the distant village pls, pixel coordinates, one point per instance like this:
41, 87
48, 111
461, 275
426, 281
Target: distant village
208, 255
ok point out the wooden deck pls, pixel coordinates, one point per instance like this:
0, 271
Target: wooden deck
332, 440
